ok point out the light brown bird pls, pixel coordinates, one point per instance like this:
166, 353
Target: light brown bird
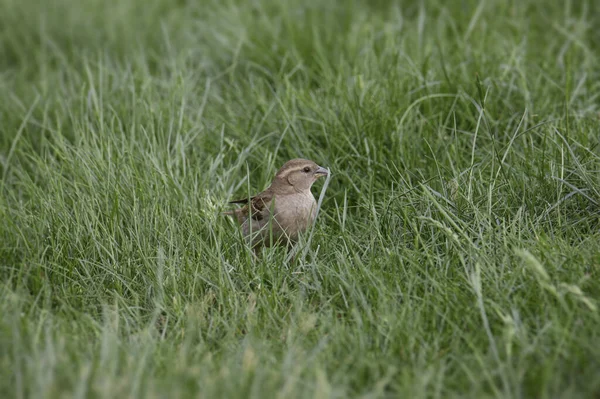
285, 209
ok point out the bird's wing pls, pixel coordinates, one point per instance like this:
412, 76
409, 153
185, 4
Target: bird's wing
258, 208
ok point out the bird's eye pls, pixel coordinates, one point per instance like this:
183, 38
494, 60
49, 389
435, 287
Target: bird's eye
307, 169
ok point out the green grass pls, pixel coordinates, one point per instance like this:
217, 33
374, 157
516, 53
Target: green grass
457, 252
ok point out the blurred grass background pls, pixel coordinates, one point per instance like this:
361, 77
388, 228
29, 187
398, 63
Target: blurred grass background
457, 253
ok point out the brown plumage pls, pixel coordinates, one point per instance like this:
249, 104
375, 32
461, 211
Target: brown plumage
285, 209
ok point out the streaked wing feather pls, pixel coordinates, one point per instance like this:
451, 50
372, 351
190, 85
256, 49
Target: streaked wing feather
260, 205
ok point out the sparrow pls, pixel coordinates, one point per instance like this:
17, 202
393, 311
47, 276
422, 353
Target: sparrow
284, 210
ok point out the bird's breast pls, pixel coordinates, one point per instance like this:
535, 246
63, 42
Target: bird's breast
296, 212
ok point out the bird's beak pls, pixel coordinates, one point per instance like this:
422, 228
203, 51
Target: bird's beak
321, 172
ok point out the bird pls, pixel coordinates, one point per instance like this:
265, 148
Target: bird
279, 214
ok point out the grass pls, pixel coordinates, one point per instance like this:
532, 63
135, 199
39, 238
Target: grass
457, 252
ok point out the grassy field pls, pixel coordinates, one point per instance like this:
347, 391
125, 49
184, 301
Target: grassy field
457, 252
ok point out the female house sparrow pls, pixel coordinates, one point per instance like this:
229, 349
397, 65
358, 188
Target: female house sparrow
286, 208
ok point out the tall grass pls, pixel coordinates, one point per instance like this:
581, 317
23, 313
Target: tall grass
457, 252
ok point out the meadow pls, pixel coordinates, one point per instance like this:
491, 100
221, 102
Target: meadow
457, 249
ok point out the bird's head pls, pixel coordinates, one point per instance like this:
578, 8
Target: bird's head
299, 174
